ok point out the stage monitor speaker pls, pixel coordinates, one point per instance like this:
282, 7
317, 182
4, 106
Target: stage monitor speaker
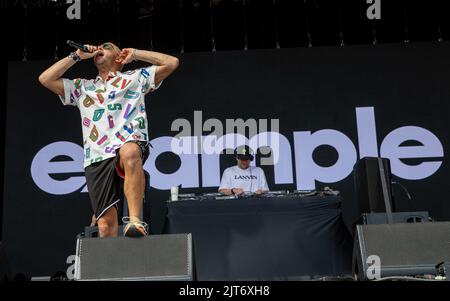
402, 249
369, 185
397, 217
154, 257
5, 272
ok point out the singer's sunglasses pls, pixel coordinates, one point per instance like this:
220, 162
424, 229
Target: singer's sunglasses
108, 46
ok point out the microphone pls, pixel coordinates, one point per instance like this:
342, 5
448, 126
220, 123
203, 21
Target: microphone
82, 47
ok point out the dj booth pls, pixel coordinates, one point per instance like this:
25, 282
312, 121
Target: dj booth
270, 237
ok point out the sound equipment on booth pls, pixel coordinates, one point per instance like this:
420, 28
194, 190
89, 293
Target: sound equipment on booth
226, 197
274, 193
326, 191
403, 249
211, 194
156, 257
188, 199
186, 195
306, 193
5, 272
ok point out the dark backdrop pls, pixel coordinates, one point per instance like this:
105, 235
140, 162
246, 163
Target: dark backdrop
307, 89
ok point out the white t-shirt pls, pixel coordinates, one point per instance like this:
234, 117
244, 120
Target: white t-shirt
112, 111
250, 179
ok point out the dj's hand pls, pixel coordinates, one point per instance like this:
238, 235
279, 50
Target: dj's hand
237, 191
260, 191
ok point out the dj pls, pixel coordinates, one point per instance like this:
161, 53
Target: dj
243, 178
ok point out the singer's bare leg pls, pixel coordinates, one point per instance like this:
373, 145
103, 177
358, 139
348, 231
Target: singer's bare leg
108, 224
131, 163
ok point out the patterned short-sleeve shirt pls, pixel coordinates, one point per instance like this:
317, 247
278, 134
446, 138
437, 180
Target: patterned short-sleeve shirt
112, 111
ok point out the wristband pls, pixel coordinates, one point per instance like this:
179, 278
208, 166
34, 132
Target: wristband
74, 56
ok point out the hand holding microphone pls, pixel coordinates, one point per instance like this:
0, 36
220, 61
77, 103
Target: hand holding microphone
78, 46
83, 51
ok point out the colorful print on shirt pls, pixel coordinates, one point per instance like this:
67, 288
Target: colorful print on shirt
112, 111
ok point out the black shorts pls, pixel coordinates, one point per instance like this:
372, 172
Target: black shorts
105, 178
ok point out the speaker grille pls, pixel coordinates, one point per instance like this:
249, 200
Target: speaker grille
405, 249
156, 257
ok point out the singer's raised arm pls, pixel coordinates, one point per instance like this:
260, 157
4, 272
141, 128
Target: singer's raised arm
165, 63
52, 77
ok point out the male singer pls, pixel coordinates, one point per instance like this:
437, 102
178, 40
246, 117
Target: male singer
114, 125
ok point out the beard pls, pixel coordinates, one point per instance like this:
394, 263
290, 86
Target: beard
100, 60
105, 62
